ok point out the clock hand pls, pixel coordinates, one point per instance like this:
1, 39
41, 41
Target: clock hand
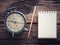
13, 21
16, 22
19, 23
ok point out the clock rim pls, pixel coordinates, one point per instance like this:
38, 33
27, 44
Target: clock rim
20, 13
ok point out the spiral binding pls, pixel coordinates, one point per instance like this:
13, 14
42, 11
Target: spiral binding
53, 12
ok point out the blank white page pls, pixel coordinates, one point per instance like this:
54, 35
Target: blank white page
47, 24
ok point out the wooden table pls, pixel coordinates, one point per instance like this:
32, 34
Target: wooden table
7, 39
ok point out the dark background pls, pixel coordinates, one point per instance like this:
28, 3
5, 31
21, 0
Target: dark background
27, 8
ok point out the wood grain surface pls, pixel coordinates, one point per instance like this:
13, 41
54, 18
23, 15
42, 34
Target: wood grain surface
21, 38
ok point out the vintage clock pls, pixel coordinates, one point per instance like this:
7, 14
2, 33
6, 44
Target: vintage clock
15, 21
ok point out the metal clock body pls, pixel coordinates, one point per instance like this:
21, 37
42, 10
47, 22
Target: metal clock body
15, 21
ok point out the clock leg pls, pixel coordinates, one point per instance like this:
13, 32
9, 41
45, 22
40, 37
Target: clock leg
26, 29
13, 34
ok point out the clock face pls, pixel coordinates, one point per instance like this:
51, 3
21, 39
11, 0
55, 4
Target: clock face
15, 22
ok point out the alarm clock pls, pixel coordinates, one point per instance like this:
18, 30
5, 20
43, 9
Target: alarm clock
15, 21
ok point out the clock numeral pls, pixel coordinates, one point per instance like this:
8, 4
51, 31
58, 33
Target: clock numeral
8, 24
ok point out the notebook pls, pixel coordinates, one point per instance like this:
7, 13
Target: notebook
47, 24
